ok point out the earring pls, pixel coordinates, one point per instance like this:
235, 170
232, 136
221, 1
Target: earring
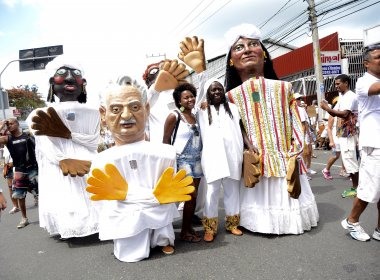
50, 97
231, 63
182, 108
264, 54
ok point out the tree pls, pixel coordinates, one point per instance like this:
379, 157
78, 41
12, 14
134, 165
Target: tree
26, 99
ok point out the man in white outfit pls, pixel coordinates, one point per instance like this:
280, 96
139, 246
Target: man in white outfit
347, 111
368, 92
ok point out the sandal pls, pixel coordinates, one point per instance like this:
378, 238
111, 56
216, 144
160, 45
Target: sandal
190, 237
167, 250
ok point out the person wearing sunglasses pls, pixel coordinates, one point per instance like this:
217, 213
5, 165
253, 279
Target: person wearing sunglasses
182, 131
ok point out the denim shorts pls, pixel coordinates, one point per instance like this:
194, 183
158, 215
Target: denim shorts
32, 186
190, 159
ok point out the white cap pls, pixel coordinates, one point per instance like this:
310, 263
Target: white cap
297, 95
244, 30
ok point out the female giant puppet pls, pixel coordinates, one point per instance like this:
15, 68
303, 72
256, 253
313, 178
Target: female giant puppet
270, 118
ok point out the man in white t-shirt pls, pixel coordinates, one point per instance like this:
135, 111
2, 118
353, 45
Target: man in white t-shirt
368, 91
347, 132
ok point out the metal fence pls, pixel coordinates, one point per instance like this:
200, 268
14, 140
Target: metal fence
304, 82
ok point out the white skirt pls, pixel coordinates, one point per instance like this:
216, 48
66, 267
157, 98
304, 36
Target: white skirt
267, 208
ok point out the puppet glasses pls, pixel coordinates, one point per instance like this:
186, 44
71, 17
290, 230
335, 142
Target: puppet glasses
63, 71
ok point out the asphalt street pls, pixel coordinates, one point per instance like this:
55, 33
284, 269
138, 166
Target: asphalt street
325, 252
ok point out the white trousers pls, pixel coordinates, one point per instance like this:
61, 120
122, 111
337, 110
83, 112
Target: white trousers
230, 198
201, 197
137, 247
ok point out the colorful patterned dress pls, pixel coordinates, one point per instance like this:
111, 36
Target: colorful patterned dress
270, 117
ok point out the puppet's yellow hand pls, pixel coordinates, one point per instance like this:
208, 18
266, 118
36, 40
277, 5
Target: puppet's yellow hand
107, 185
251, 168
175, 188
171, 74
193, 53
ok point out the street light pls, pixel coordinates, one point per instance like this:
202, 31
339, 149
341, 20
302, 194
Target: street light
31, 59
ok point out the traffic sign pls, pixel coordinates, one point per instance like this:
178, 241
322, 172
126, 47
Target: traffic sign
37, 58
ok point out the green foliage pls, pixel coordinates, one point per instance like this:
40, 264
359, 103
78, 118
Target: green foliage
26, 99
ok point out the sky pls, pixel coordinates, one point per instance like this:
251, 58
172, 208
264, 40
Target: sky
115, 37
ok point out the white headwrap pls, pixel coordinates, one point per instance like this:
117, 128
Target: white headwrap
245, 30
63, 61
209, 82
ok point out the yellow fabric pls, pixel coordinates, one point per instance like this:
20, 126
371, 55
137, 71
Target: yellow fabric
271, 120
175, 188
108, 184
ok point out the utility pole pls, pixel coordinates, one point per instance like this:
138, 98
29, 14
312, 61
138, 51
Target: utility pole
317, 56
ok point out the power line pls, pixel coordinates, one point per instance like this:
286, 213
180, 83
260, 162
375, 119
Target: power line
350, 13
209, 16
279, 11
191, 21
187, 16
288, 32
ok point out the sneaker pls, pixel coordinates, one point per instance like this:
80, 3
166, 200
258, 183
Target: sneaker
180, 206
327, 174
356, 231
312, 172
14, 210
351, 192
376, 234
23, 223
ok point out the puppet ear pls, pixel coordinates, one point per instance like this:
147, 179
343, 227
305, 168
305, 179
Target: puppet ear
102, 111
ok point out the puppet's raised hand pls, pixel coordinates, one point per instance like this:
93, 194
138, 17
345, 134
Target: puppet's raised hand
175, 188
108, 184
75, 167
171, 74
251, 168
49, 124
193, 53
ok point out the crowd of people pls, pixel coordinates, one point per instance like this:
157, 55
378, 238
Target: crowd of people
167, 143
